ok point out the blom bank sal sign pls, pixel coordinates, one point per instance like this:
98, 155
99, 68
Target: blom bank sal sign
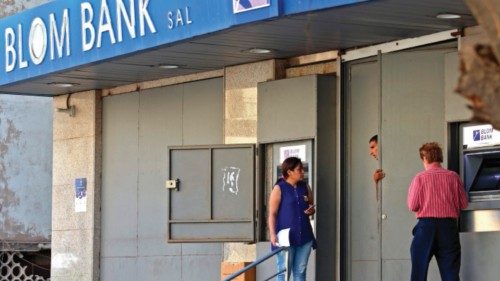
65, 34
95, 24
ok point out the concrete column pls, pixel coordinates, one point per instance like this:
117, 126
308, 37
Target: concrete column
240, 124
76, 154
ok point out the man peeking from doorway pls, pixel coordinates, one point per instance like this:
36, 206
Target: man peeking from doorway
436, 195
379, 174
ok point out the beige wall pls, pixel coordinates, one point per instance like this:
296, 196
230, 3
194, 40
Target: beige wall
76, 154
240, 124
241, 99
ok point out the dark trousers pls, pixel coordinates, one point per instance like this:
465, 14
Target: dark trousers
439, 238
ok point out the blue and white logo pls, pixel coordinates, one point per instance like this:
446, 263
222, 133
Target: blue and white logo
476, 135
247, 5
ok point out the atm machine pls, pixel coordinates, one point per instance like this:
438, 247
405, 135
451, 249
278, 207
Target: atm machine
480, 171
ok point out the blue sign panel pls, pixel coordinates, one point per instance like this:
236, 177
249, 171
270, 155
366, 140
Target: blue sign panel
66, 34
80, 187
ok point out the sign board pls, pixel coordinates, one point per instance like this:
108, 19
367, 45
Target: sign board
480, 136
298, 151
62, 35
80, 195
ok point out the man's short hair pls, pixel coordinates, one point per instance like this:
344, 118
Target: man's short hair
432, 152
374, 138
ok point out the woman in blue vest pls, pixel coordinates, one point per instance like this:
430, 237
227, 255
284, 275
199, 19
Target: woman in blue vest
290, 205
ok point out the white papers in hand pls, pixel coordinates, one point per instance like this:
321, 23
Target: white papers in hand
284, 237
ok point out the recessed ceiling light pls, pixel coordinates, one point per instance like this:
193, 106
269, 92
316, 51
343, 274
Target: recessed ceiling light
168, 66
259, 51
62, 84
448, 16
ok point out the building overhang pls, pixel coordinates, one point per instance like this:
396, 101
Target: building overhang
72, 46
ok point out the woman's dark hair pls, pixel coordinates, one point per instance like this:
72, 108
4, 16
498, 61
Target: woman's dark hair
432, 152
289, 165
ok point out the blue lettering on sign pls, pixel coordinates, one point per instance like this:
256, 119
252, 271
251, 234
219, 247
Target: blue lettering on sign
487, 137
482, 134
61, 34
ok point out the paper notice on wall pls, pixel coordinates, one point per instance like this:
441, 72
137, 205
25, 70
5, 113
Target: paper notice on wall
80, 195
293, 151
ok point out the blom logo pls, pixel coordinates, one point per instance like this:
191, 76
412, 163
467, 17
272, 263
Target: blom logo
247, 5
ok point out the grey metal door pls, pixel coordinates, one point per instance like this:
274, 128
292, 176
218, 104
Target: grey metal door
412, 111
363, 198
399, 97
215, 197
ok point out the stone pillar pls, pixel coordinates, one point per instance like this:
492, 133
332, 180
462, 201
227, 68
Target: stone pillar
240, 124
76, 154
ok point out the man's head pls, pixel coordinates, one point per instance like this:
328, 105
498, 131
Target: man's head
431, 152
373, 144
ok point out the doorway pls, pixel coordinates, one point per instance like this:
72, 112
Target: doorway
398, 97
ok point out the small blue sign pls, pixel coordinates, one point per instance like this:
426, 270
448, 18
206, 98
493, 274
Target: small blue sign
80, 188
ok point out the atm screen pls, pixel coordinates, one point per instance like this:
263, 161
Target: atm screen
482, 171
488, 176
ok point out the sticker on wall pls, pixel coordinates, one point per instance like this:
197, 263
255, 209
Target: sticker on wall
80, 195
230, 179
248, 5
293, 151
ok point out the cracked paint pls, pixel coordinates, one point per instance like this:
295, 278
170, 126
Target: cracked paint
10, 7
24, 210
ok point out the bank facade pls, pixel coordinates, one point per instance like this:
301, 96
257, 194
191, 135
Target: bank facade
170, 119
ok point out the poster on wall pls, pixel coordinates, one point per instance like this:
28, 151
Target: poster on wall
293, 151
80, 195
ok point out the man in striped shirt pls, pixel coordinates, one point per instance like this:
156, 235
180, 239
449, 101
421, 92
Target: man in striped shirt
437, 196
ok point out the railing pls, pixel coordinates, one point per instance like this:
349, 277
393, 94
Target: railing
261, 260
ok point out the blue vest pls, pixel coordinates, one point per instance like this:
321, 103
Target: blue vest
291, 213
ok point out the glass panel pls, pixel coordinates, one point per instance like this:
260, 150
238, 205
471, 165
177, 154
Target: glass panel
488, 177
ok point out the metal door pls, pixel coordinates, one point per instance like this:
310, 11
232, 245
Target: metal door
412, 111
363, 200
399, 97
215, 196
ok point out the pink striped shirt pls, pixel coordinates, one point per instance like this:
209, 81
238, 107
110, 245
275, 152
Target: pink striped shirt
437, 193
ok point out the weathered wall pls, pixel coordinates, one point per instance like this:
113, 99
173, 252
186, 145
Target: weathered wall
10, 7
25, 170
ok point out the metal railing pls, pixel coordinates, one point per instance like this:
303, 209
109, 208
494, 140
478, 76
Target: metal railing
261, 260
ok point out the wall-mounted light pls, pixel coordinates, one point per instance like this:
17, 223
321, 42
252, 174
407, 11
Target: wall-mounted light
259, 51
70, 109
448, 16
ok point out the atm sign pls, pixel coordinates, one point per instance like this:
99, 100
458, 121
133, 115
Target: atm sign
480, 135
